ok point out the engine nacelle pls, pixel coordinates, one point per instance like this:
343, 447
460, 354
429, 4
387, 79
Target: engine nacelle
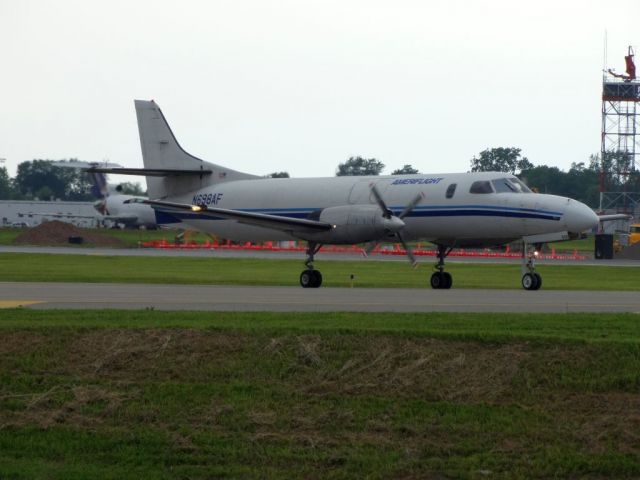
354, 224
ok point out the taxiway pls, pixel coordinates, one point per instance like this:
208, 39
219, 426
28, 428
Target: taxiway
285, 299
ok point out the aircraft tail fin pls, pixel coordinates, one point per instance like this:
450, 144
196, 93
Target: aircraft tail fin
162, 152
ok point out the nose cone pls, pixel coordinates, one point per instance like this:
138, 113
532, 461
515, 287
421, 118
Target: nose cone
579, 218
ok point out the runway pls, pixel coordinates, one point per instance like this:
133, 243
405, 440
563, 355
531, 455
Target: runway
286, 299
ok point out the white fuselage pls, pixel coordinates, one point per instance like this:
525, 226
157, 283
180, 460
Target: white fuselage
464, 218
132, 214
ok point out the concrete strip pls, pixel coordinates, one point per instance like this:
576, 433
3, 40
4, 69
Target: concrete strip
283, 299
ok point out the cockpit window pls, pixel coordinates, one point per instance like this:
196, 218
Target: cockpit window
509, 185
481, 186
520, 183
451, 189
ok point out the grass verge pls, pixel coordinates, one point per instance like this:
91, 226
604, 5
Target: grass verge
249, 395
253, 271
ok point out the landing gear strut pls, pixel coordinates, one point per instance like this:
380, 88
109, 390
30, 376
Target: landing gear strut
440, 278
531, 280
311, 278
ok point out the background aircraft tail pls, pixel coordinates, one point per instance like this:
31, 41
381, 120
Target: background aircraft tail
161, 151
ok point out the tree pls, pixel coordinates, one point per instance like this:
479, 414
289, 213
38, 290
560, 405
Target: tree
278, 175
63, 183
579, 182
500, 160
357, 166
130, 188
6, 188
616, 166
406, 170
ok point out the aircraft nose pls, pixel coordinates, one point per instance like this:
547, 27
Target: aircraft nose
579, 217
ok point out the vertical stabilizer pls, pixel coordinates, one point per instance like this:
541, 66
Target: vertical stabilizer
161, 150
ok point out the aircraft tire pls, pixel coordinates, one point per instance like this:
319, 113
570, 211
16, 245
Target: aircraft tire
317, 279
530, 281
310, 279
306, 278
437, 280
538, 281
448, 280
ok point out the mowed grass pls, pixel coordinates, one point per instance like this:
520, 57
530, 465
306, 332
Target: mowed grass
254, 271
132, 238
105, 394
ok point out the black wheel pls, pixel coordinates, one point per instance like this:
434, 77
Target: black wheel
448, 280
538, 281
306, 278
529, 281
317, 279
437, 280
310, 279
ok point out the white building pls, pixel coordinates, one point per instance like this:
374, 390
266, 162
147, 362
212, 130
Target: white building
30, 213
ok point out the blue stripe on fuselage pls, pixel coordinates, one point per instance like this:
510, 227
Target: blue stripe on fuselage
430, 211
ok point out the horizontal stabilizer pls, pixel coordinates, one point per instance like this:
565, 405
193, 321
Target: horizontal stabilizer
84, 165
274, 222
614, 217
149, 172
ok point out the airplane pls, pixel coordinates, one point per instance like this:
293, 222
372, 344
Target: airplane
120, 208
112, 203
450, 210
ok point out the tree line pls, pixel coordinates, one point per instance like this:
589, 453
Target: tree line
41, 179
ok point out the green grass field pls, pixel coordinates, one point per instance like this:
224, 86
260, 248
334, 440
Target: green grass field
104, 394
131, 237
253, 271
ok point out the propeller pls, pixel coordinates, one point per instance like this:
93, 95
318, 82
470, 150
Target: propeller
395, 224
101, 206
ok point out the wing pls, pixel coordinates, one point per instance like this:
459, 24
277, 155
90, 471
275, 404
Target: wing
63, 215
274, 222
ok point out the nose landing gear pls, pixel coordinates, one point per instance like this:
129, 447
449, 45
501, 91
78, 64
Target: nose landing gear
531, 280
311, 278
441, 279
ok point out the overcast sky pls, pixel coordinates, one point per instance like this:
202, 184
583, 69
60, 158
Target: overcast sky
263, 86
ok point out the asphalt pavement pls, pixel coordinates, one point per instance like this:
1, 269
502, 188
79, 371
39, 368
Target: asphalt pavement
286, 299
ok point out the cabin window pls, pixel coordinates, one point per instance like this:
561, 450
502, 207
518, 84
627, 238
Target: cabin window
481, 186
451, 189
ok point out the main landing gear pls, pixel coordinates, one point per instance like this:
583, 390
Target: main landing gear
531, 280
441, 279
311, 278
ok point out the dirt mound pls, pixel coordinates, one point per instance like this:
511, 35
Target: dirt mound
58, 233
629, 253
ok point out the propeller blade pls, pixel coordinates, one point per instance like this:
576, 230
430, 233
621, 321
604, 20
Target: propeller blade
101, 206
407, 210
407, 248
386, 213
